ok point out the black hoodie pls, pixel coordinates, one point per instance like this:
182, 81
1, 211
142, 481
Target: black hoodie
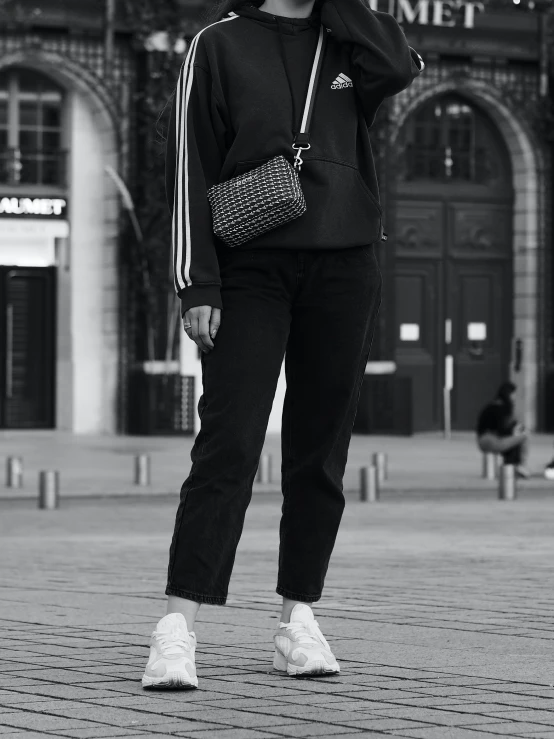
233, 110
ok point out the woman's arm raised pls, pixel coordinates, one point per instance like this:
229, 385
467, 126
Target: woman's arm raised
383, 63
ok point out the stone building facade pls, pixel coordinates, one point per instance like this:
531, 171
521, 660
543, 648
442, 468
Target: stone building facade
465, 165
69, 167
66, 117
467, 185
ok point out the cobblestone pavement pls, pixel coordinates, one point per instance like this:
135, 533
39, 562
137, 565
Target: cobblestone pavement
440, 609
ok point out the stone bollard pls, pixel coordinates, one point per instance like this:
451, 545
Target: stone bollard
264, 469
381, 461
49, 490
507, 487
142, 469
14, 472
490, 466
369, 484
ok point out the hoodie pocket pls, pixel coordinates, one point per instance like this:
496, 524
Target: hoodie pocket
341, 211
242, 167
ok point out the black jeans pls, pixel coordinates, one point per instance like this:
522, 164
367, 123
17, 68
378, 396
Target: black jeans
316, 308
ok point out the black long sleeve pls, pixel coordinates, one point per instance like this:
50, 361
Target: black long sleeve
382, 61
193, 164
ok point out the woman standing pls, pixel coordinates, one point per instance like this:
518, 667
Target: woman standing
307, 291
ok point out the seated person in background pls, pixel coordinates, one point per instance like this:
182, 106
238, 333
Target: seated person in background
549, 471
499, 432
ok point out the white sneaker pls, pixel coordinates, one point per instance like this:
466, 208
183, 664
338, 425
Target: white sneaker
549, 471
301, 648
171, 662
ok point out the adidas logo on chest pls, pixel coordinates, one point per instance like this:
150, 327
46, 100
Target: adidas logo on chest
341, 82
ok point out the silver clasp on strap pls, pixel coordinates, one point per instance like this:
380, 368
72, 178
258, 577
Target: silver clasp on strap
298, 161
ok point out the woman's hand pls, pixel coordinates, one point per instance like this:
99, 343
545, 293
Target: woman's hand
201, 325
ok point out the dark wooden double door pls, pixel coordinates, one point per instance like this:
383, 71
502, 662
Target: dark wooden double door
453, 303
27, 347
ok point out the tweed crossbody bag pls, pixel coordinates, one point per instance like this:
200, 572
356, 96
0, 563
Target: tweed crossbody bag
269, 195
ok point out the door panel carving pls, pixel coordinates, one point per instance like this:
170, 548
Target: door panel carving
480, 229
419, 227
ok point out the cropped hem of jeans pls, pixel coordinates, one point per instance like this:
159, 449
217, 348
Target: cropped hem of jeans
297, 596
213, 600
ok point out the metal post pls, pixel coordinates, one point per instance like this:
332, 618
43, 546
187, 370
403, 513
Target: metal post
448, 384
14, 472
490, 466
142, 469
264, 469
447, 402
507, 488
49, 490
369, 484
381, 461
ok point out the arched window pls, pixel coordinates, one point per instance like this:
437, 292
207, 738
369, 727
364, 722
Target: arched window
31, 129
448, 140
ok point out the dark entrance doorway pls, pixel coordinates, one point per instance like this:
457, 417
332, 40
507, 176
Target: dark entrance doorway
27, 347
453, 256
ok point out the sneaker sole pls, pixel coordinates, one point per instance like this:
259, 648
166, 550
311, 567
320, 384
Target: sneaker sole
173, 681
319, 667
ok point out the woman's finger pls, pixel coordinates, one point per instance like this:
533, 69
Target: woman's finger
204, 331
194, 332
197, 326
215, 322
187, 325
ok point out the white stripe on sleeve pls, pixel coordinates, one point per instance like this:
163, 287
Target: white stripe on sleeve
181, 207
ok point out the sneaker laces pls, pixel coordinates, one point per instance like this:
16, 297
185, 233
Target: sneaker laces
172, 643
307, 633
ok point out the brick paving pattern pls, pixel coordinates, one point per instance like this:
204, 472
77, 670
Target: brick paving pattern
440, 609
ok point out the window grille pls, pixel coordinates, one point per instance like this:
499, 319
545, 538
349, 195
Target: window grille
31, 129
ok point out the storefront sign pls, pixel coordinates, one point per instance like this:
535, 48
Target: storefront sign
32, 242
38, 207
432, 12
30, 229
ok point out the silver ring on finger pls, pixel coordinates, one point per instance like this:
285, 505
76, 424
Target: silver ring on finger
186, 326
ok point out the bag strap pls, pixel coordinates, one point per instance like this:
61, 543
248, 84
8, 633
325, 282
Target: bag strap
304, 135
302, 138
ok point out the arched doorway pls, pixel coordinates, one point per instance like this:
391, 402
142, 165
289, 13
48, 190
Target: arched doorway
60, 137
33, 189
453, 203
